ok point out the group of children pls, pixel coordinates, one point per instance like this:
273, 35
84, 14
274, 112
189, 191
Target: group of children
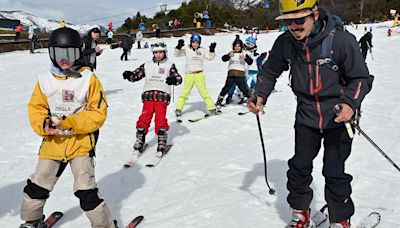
68, 107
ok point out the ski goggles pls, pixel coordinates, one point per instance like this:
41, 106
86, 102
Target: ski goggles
70, 54
162, 45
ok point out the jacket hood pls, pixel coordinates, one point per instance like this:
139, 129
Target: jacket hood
322, 27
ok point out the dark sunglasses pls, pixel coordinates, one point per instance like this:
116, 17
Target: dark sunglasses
298, 21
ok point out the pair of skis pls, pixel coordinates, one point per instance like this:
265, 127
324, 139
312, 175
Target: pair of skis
321, 217
56, 216
157, 159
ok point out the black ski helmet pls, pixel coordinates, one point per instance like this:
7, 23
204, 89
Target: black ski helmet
65, 38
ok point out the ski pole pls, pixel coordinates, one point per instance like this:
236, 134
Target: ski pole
376, 146
338, 109
370, 51
271, 190
173, 94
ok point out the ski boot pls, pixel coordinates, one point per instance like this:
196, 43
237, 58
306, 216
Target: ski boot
140, 139
219, 101
300, 219
34, 224
162, 142
229, 99
178, 113
342, 224
213, 112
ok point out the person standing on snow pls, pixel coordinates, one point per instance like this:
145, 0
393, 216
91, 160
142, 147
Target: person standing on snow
159, 74
32, 38
126, 45
67, 108
318, 88
110, 35
366, 44
18, 31
194, 72
250, 48
91, 49
238, 61
139, 38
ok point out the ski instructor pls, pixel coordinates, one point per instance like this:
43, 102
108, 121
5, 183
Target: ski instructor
326, 68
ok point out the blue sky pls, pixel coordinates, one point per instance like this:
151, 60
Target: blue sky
88, 11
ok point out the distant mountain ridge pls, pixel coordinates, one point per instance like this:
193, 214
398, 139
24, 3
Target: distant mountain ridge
40, 23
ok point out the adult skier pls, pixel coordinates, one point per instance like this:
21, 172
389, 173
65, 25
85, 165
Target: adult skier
319, 86
126, 45
366, 44
139, 38
194, 72
67, 108
238, 61
159, 74
91, 49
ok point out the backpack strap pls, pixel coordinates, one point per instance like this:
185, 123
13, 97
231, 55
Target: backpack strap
327, 52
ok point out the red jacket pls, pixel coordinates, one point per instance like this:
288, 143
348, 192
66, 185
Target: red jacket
19, 28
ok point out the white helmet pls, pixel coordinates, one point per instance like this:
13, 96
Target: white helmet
158, 46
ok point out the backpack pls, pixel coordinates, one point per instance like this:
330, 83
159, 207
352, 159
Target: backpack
326, 57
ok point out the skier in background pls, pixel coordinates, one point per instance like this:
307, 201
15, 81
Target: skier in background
91, 49
67, 108
126, 45
139, 38
250, 48
18, 31
317, 95
194, 72
110, 35
159, 74
366, 44
238, 62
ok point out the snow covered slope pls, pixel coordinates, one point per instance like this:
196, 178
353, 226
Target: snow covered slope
213, 176
43, 24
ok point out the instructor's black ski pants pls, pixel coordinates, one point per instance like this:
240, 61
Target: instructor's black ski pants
337, 146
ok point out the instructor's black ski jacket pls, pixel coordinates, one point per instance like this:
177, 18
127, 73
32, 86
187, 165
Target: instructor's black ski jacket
318, 88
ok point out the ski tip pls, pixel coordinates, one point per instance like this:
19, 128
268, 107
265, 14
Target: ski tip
126, 166
135, 221
150, 165
57, 213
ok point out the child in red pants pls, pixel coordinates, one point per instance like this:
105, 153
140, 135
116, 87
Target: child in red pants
159, 74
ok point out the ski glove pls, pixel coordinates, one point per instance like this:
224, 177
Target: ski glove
171, 80
127, 74
181, 42
212, 47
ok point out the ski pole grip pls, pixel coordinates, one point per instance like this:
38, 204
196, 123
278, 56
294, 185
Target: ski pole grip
338, 108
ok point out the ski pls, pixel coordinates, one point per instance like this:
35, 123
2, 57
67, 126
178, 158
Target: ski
135, 156
199, 118
219, 112
243, 113
135, 222
320, 217
371, 221
52, 219
179, 119
158, 157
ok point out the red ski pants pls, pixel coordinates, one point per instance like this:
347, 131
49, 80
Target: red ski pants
149, 108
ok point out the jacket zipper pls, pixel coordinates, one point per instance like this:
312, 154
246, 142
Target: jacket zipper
319, 87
